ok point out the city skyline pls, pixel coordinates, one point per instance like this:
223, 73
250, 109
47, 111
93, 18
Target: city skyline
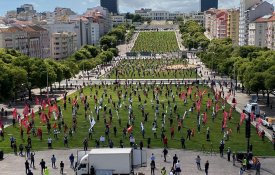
124, 5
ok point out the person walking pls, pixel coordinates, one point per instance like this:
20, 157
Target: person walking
258, 167
165, 152
153, 166
43, 165
182, 140
27, 166
61, 167
206, 167
198, 162
177, 168
53, 160
71, 160
175, 160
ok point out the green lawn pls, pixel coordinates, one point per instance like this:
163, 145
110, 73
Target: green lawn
150, 69
237, 142
156, 42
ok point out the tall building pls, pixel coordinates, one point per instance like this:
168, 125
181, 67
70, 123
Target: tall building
250, 10
111, 5
207, 4
233, 25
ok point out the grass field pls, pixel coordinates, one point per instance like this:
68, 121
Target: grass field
237, 142
156, 42
150, 69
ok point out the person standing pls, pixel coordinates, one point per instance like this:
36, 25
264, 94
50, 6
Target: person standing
43, 165
153, 166
198, 162
50, 143
85, 144
228, 154
53, 160
30, 173
177, 167
153, 157
61, 167
32, 159
234, 158
27, 166
206, 167
175, 160
165, 152
182, 140
72, 160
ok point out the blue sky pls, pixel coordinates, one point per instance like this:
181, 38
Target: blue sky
80, 6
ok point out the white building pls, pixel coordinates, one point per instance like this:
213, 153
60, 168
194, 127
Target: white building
159, 15
120, 19
250, 10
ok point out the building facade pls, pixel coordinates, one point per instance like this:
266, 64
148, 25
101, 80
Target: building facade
233, 25
30, 40
63, 44
207, 4
261, 32
250, 10
111, 5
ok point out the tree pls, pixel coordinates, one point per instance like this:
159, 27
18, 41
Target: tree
109, 41
94, 51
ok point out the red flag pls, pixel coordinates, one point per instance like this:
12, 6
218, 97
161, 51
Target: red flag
36, 101
130, 129
25, 122
189, 90
32, 114
26, 110
225, 115
209, 103
44, 104
217, 107
54, 125
242, 118
198, 106
204, 117
43, 118
224, 122
182, 96
14, 113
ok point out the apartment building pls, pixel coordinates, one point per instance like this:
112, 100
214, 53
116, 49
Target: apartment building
233, 25
63, 44
30, 40
261, 32
250, 10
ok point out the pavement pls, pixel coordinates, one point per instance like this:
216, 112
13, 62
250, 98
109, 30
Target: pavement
218, 165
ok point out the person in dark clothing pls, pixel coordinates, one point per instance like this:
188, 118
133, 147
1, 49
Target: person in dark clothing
32, 159
30, 173
189, 134
27, 167
43, 165
92, 170
182, 140
206, 167
61, 167
141, 145
85, 144
175, 159
153, 166
165, 152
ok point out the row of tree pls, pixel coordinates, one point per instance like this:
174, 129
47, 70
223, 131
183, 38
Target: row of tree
20, 72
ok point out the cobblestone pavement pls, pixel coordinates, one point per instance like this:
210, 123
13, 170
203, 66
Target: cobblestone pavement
12, 164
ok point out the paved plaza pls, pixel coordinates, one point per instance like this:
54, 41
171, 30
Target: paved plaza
218, 166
